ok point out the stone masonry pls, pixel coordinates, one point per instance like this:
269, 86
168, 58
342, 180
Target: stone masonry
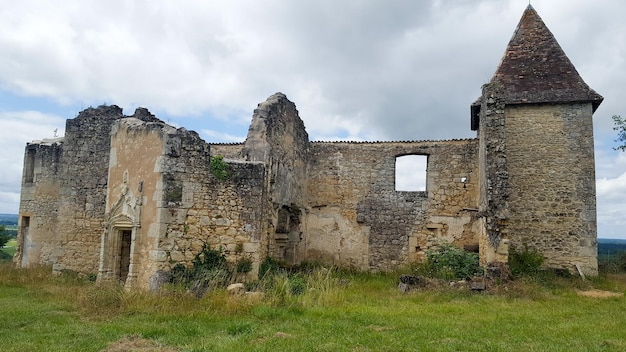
129, 197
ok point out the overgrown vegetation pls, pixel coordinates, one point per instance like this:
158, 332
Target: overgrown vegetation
209, 271
337, 311
525, 262
219, 168
613, 264
449, 262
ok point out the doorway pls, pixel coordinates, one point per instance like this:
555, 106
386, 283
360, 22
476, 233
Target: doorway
124, 254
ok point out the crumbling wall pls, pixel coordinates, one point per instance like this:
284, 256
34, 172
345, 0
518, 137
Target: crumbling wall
277, 138
227, 214
83, 186
494, 176
355, 217
161, 185
39, 201
550, 164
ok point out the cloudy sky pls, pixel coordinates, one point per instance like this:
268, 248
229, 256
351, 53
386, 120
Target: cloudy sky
356, 69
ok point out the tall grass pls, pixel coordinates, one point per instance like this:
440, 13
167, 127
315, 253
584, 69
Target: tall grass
323, 309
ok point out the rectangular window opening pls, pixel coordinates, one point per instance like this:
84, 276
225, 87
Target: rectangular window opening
411, 173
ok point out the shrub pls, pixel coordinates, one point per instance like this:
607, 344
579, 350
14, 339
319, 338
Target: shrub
526, 262
209, 270
219, 168
244, 266
450, 262
270, 266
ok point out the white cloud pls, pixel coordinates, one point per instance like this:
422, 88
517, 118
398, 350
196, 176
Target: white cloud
411, 173
18, 128
612, 189
392, 70
611, 193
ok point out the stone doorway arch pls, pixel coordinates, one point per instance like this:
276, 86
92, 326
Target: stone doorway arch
117, 251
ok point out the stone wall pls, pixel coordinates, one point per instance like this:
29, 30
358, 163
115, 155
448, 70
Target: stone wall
551, 172
134, 190
161, 187
227, 150
277, 138
494, 177
39, 203
129, 196
83, 185
355, 217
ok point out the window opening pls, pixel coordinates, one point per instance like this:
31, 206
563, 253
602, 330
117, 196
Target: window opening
411, 173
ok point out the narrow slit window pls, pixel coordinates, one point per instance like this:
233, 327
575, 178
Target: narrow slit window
411, 173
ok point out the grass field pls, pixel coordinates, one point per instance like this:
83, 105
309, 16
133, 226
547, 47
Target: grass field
339, 312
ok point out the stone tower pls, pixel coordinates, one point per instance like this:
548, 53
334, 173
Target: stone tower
537, 178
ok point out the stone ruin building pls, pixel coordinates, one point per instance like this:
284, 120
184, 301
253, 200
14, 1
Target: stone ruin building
128, 196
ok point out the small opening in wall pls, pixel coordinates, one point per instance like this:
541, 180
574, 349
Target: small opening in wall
25, 222
411, 173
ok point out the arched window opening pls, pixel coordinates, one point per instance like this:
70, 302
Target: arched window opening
411, 173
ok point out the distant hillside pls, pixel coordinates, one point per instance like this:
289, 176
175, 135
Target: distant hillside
610, 247
8, 219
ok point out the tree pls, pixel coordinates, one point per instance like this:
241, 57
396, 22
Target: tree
620, 127
4, 238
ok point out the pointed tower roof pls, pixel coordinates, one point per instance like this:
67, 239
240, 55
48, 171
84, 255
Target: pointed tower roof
535, 69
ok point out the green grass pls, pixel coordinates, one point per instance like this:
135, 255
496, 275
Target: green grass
344, 312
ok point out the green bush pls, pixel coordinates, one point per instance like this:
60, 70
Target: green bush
219, 168
270, 266
525, 262
209, 270
450, 262
244, 266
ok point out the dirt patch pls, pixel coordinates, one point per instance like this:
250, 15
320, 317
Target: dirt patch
281, 334
600, 294
379, 328
137, 344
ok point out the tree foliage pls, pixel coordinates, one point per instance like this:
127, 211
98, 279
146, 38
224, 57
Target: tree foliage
4, 237
620, 127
